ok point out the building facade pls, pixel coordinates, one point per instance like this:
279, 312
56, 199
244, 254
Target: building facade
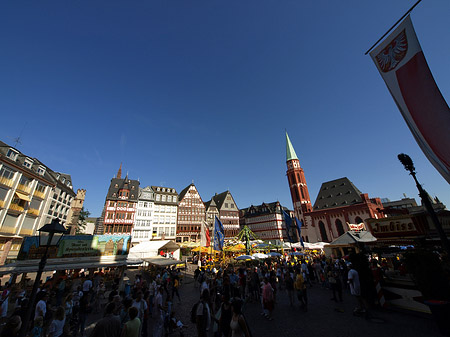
31, 195
75, 209
165, 213
266, 221
338, 203
142, 230
191, 214
120, 205
228, 213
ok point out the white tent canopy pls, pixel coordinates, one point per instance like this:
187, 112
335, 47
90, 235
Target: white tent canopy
309, 245
151, 248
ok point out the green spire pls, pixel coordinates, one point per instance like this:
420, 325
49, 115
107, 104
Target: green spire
290, 152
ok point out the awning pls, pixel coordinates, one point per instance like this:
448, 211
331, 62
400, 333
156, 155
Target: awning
15, 268
162, 261
23, 196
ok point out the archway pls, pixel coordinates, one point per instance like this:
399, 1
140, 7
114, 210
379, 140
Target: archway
339, 227
358, 220
323, 232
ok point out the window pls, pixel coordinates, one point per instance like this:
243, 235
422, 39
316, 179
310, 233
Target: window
12, 154
40, 188
41, 170
28, 162
6, 172
226, 205
158, 197
163, 198
24, 181
169, 198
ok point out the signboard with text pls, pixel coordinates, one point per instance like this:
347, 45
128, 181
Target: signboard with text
398, 226
77, 246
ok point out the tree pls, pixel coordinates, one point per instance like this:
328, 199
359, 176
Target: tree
81, 224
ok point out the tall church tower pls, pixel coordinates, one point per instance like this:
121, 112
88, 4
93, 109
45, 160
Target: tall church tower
297, 182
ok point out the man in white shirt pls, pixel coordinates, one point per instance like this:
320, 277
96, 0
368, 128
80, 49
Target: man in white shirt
41, 307
87, 285
355, 288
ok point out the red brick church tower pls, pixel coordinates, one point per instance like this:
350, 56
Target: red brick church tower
297, 182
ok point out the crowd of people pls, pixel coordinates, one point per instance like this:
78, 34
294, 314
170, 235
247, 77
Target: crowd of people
65, 302
224, 292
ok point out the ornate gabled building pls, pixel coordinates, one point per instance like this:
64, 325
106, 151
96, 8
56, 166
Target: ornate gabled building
165, 213
228, 213
266, 221
120, 205
191, 214
339, 202
211, 213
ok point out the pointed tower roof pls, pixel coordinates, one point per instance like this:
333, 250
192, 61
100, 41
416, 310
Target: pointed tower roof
119, 173
290, 152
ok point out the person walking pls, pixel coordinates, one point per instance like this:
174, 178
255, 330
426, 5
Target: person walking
355, 289
268, 299
300, 287
56, 328
109, 325
133, 326
289, 282
203, 314
238, 324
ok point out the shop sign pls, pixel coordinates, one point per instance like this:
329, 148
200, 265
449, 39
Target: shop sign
77, 246
397, 227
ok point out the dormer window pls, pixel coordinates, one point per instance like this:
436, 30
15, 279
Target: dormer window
28, 163
12, 154
63, 180
41, 170
68, 182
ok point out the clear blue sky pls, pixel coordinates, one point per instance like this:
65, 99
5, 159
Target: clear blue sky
182, 90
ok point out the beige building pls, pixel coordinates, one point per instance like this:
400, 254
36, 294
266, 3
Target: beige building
31, 195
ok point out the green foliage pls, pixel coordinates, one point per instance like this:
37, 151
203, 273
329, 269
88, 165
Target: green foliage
426, 269
81, 223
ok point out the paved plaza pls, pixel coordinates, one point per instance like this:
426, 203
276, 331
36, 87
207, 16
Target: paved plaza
323, 318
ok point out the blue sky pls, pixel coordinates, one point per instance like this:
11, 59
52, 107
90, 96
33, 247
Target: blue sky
203, 90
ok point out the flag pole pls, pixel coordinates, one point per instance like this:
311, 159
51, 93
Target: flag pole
393, 26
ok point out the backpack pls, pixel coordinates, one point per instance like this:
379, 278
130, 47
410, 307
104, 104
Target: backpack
194, 312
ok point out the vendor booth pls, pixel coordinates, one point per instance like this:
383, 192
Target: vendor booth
149, 249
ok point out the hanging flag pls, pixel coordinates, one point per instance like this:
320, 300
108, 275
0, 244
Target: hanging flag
205, 238
299, 230
219, 235
288, 222
402, 64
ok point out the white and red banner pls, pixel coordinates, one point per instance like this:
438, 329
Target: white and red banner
401, 63
205, 238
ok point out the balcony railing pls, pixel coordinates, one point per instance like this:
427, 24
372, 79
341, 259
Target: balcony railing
6, 181
33, 211
39, 194
16, 207
24, 188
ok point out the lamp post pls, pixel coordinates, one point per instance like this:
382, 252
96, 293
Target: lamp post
49, 236
409, 166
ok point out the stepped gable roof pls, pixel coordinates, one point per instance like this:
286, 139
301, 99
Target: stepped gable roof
290, 152
118, 184
337, 193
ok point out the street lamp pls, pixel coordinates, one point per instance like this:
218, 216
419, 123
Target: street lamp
409, 166
49, 236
